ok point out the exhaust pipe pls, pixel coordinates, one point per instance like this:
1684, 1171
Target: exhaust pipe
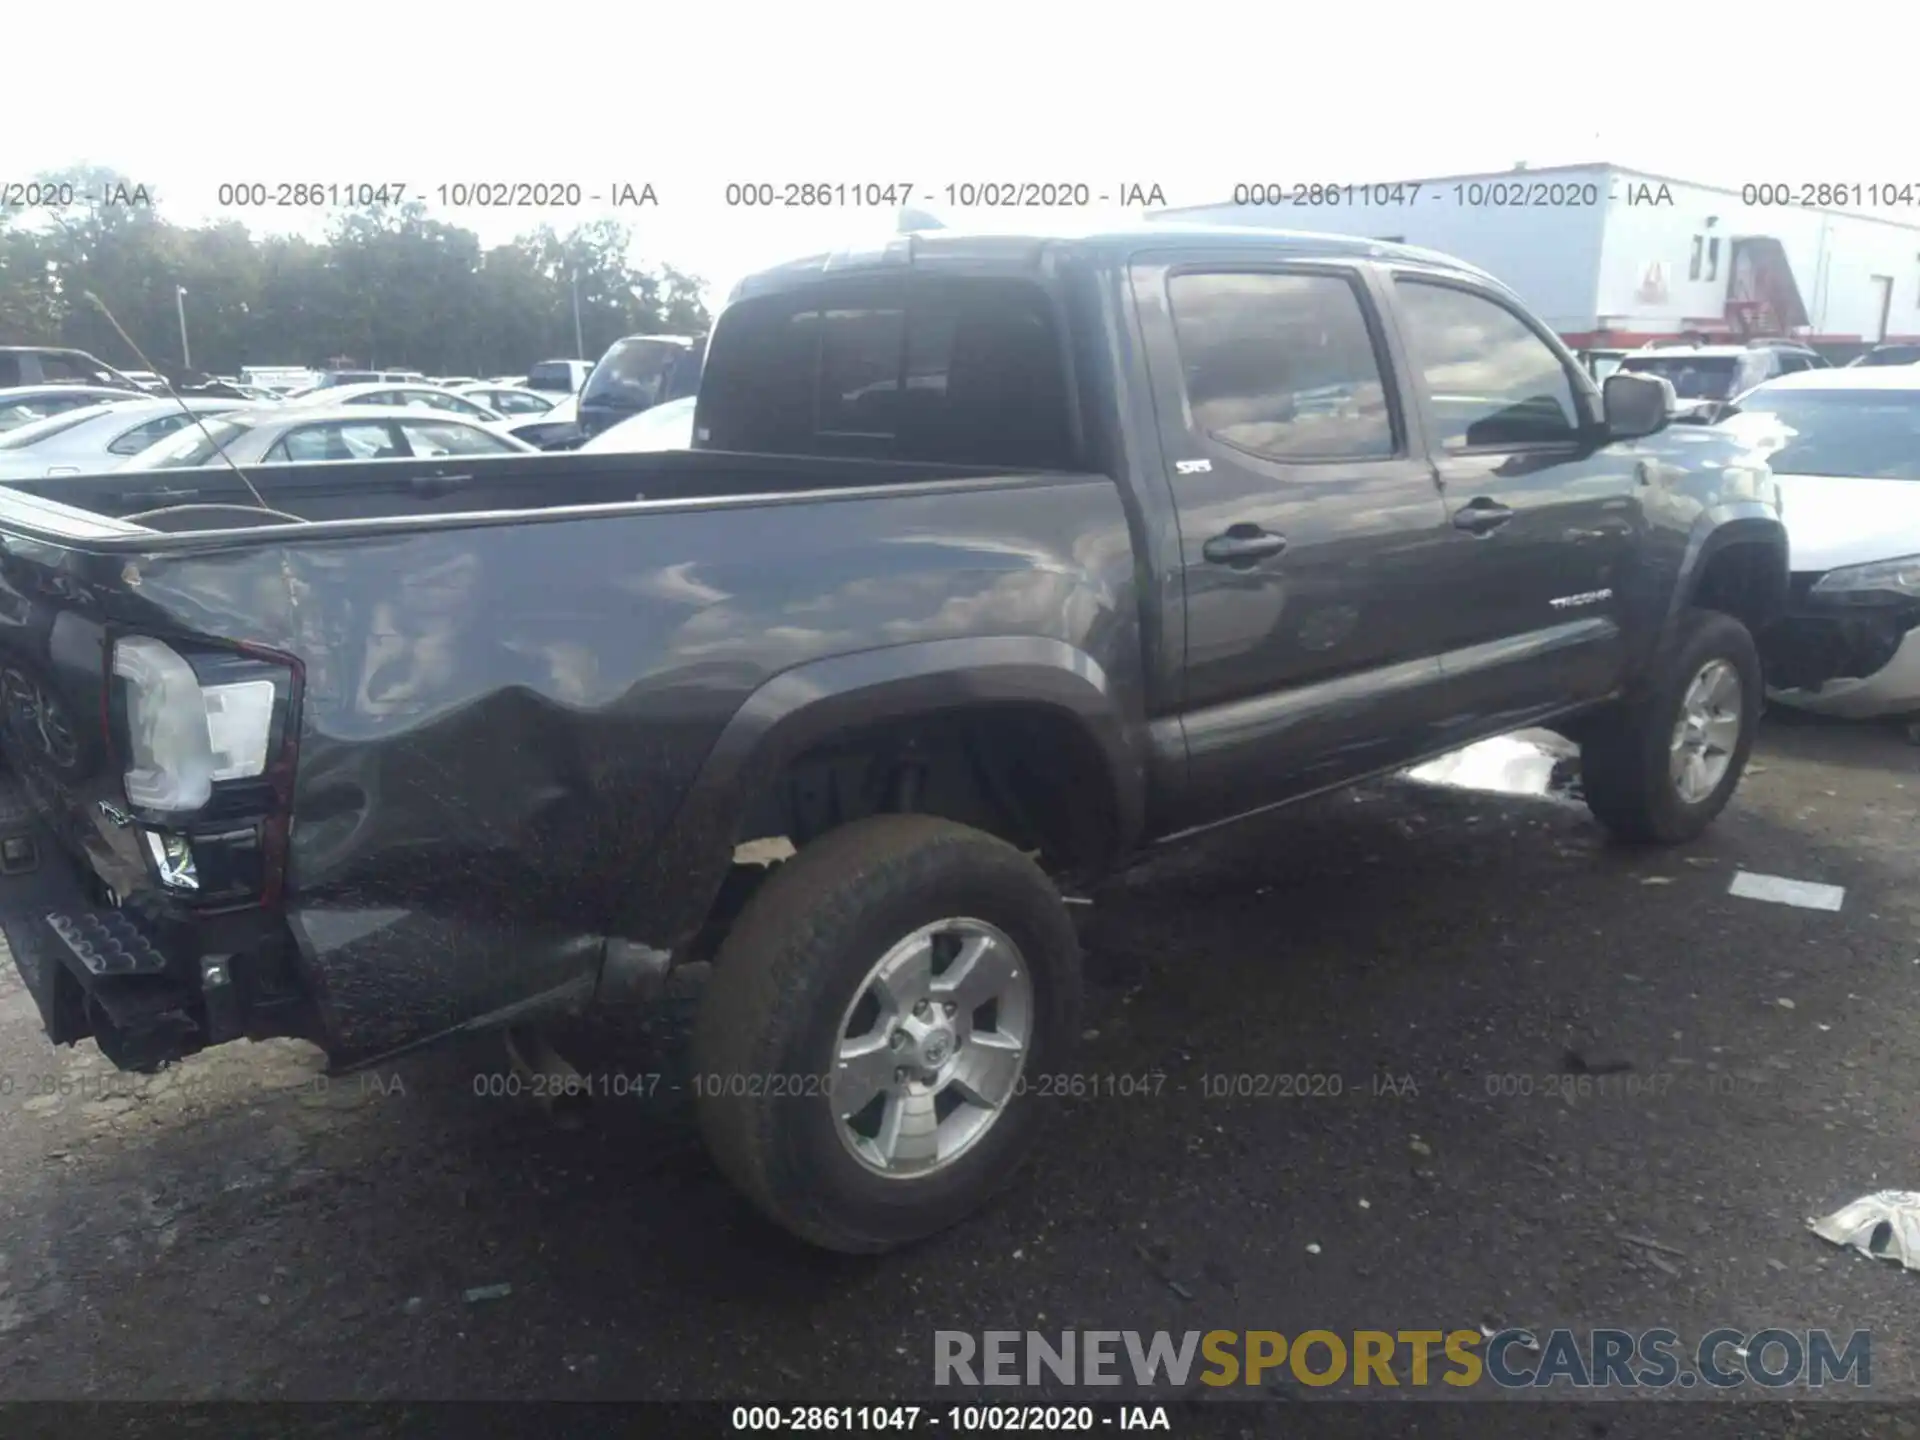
556, 1086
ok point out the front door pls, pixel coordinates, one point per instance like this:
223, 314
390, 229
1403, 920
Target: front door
1542, 514
1883, 306
1309, 521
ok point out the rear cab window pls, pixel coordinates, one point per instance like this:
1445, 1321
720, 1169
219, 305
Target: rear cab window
942, 370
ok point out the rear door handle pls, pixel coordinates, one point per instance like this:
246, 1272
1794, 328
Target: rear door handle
1243, 546
1481, 516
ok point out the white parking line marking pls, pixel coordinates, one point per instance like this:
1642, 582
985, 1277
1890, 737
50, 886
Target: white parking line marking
1805, 893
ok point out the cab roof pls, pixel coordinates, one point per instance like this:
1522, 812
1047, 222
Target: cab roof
1000, 252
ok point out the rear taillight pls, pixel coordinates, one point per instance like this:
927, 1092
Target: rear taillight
183, 735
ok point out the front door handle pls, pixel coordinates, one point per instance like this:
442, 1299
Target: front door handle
1243, 546
1481, 516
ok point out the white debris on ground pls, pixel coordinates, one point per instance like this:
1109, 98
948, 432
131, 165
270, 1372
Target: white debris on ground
769, 851
1807, 894
1885, 1225
1518, 764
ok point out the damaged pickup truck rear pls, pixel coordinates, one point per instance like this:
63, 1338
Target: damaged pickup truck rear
996, 561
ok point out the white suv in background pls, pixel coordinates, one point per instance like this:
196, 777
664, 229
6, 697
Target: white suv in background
1707, 376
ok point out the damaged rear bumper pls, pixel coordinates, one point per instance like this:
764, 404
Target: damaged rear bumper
152, 982
147, 983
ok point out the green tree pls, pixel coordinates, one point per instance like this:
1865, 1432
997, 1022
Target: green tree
388, 286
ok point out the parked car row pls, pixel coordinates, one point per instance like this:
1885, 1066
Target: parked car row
72, 429
557, 405
90, 438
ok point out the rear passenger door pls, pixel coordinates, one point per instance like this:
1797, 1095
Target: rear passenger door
1309, 524
1543, 514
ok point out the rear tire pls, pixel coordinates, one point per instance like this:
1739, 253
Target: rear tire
783, 1010
1637, 763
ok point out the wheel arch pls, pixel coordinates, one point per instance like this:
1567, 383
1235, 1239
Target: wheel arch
793, 713
1736, 562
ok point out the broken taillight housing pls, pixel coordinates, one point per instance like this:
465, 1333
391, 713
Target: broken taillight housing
185, 728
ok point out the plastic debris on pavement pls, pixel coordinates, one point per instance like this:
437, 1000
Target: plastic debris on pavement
1885, 1225
1527, 762
1781, 891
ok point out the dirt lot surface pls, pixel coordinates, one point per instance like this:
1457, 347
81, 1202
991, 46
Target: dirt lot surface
1426, 963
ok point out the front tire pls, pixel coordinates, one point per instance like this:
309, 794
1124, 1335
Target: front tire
863, 1049
1659, 770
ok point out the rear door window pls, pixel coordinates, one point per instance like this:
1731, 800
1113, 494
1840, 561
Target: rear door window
1281, 366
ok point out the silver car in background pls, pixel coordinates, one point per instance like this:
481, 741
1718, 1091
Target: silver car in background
412, 396
96, 438
303, 434
27, 403
509, 400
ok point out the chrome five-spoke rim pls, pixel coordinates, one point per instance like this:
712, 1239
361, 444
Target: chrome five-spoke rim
1706, 732
932, 1048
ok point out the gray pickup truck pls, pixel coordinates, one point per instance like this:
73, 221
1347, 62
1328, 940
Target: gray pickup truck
996, 562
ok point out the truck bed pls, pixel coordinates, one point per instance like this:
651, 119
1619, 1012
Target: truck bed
490, 485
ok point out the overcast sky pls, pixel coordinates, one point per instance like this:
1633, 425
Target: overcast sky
1192, 97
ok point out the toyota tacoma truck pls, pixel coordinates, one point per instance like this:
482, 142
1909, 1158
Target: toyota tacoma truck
995, 562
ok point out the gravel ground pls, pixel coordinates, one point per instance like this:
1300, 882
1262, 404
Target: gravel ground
1433, 960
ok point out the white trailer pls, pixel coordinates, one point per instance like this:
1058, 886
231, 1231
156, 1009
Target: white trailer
1616, 257
278, 377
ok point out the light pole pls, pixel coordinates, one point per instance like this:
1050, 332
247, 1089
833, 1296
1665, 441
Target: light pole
579, 345
180, 304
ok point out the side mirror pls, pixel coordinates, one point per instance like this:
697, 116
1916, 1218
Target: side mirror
1636, 405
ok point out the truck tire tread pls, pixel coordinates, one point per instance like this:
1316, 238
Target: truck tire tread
1624, 760
813, 927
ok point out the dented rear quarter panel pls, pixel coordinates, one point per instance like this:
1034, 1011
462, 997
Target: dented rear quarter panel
500, 722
